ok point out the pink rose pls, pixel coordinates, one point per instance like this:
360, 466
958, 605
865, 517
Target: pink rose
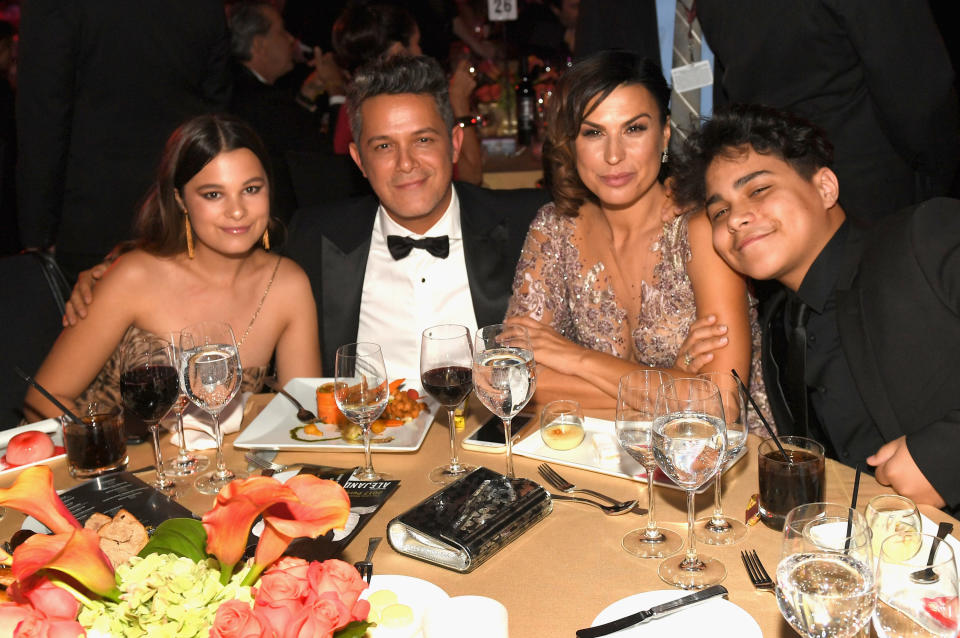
338, 577
12, 614
278, 586
296, 567
278, 617
52, 601
318, 620
236, 619
360, 611
39, 626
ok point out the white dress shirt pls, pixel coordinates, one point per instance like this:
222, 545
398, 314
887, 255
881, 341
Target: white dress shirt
403, 297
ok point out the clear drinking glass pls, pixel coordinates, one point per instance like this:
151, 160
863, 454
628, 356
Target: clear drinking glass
825, 579
361, 391
184, 463
889, 514
210, 376
690, 447
446, 373
912, 601
504, 374
149, 386
561, 424
718, 528
636, 402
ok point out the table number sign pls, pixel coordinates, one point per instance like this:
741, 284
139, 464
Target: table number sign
502, 10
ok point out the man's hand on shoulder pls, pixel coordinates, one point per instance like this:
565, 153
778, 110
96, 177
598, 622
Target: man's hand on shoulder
82, 295
896, 468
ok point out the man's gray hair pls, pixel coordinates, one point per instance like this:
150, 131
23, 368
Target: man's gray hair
420, 75
247, 20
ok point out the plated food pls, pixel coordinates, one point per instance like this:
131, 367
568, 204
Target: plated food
30, 444
403, 406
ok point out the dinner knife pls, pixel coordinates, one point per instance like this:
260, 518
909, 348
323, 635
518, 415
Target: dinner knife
659, 610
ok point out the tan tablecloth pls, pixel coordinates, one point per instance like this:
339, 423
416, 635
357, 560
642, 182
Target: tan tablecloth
561, 573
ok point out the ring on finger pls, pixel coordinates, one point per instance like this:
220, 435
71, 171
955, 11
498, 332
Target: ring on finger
687, 359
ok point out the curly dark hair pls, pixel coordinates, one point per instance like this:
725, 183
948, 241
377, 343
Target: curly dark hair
364, 32
592, 79
735, 128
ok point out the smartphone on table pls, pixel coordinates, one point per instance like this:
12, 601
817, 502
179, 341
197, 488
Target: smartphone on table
489, 436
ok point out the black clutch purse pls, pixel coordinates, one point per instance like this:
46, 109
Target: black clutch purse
467, 522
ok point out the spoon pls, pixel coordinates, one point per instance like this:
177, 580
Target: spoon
927, 576
609, 510
303, 415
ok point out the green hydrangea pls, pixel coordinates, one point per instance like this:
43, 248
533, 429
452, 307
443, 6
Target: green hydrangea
164, 596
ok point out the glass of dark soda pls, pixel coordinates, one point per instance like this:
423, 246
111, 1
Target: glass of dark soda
788, 482
98, 444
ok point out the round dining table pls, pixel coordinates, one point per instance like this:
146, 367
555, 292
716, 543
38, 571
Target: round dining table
561, 573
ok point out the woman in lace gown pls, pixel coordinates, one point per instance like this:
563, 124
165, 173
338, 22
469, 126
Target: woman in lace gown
610, 278
197, 257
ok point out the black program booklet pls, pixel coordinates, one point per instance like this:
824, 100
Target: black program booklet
366, 498
110, 493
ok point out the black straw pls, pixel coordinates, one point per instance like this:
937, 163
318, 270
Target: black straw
26, 377
756, 409
853, 506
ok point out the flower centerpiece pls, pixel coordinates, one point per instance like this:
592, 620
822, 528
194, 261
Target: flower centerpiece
189, 580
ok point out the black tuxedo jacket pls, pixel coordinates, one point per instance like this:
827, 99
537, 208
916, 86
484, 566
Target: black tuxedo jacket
898, 314
331, 244
101, 85
874, 75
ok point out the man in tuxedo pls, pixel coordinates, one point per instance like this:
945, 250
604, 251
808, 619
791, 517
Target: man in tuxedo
870, 319
424, 251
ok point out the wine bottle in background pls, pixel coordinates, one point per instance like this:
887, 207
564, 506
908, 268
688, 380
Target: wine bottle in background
526, 105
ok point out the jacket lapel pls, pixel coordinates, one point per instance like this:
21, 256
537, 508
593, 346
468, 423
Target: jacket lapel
489, 276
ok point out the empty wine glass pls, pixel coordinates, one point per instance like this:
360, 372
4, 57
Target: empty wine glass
149, 385
825, 580
184, 463
504, 374
636, 402
446, 372
210, 376
361, 392
719, 529
689, 445
916, 587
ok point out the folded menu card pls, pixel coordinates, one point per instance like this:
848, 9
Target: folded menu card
109, 493
366, 497
467, 522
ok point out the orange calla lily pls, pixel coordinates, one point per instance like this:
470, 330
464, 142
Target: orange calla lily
305, 506
34, 495
320, 506
76, 554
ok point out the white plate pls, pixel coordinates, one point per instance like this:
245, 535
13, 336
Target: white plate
718, 617
49, 426
419, 595
271, 429
584, 456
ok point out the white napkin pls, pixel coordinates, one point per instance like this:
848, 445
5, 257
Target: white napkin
198, 425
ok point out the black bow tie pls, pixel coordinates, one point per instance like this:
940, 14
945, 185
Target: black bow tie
400, 247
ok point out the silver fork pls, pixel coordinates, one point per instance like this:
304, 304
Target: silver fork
550, 476
365, 566
609, 510
758, 575
264, 464
303, 415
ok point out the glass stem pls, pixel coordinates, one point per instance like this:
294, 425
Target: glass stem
182, 456
691, 561
158, 459
221, 466
507, 431
454, 461
367, 457
652, 530
717, 501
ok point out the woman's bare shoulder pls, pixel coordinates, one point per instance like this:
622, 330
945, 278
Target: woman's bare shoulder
137, 268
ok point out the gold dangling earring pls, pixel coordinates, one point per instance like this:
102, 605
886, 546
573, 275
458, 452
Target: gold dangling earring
186, 223
266, 239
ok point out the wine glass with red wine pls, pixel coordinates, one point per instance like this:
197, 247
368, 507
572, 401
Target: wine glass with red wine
149, 386
446, 372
